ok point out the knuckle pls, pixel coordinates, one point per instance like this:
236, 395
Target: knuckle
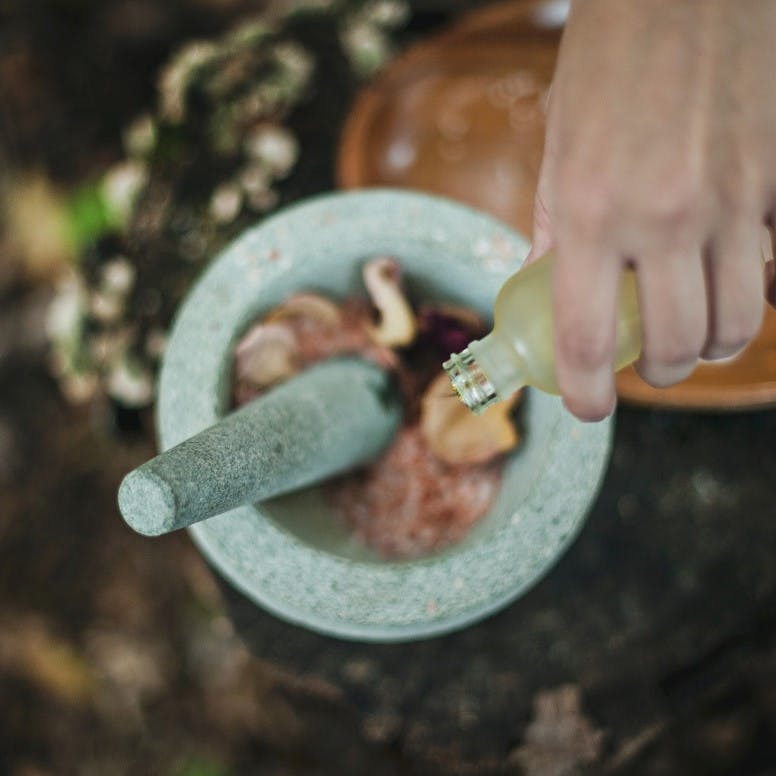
675, 204
585, 199
583, 348
677, 215
740, 189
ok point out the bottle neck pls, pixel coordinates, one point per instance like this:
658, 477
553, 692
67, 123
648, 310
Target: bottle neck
487, 371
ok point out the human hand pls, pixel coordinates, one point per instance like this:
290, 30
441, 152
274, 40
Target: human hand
660, 154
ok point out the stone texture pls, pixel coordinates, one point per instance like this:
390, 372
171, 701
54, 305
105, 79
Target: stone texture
326, 420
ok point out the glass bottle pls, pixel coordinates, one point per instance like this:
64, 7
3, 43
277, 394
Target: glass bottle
520, 350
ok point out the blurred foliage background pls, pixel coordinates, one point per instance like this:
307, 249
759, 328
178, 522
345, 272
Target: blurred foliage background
136, 137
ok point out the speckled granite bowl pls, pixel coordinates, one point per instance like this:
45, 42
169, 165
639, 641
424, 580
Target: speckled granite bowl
290, 555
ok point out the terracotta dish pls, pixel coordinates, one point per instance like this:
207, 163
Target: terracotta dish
462, 115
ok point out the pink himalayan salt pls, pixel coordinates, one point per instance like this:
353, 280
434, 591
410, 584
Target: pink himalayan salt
409, 503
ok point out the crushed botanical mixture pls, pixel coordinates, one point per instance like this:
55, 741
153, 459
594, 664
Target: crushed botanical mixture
441, 473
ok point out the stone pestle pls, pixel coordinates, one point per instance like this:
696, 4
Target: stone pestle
325, 420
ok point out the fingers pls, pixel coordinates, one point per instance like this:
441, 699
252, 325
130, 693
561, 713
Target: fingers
690, 306
735, 289
585, 292
672, 301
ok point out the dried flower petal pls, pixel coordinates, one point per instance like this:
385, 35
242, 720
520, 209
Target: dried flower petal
307, 305
266, 355
448, 327
456, 435
382, 277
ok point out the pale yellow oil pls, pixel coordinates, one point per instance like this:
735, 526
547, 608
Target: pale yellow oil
520, 350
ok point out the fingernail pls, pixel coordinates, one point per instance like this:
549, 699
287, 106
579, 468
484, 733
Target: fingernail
721, 354
666, 376
593, 396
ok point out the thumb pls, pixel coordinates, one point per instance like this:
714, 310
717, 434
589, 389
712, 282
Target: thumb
542, 240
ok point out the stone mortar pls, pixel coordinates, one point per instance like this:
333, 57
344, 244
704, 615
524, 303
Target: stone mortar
291, 555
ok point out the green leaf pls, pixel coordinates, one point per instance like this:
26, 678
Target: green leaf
89, 215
